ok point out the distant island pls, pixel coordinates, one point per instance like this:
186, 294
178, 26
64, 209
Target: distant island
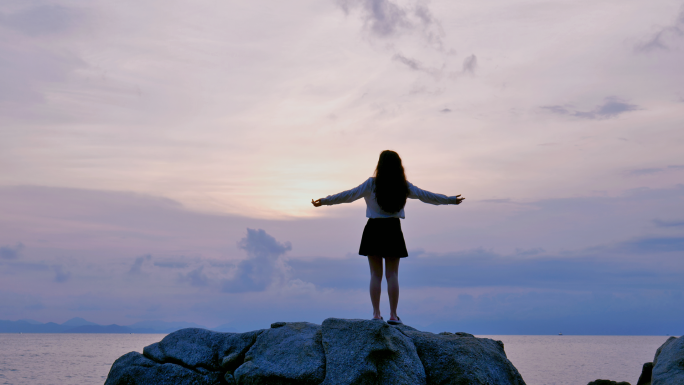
80, 325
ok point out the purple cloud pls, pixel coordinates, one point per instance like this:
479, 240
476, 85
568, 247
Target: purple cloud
11, 252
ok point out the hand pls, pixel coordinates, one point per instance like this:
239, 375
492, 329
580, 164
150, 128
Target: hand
459, 200
316, 202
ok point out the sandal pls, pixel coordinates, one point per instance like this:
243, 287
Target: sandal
395, 321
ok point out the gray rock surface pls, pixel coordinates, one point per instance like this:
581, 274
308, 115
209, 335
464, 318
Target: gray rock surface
288, 353
668, 364
234, 347
135, 369
201, 348
461, 358
369, 352
338, 352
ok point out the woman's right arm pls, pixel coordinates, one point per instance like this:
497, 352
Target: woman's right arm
432, 198
347, 196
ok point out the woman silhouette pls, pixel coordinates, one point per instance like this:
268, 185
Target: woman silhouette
385, 196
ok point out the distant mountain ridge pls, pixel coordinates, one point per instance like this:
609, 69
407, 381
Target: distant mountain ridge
80, 325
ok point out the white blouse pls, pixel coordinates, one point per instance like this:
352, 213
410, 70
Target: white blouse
373, 209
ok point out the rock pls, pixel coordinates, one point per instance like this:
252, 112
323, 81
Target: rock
668, 364
461, 358
135, 369
338, 352
646, 372
235, 346
607, 382
201, 348
369, 352
460, 334
289, 353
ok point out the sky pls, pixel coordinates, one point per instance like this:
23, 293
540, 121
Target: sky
158, 160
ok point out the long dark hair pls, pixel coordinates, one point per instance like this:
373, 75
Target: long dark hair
391, 188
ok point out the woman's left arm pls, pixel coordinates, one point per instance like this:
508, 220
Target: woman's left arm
432, 198
345, 196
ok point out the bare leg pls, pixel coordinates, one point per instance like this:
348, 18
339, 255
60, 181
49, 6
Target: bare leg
392, 275
375, 264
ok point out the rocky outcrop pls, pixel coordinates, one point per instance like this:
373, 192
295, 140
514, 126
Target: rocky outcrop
473, 360
668, 364
288, 353
369, 352
646, 373
338, 352
667, 367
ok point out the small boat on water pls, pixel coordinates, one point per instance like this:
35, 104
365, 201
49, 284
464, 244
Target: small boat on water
560, 334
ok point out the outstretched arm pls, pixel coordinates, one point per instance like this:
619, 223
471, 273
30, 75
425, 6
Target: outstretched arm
432, 198
345, 196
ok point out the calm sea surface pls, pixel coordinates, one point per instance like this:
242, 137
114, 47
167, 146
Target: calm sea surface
85, 359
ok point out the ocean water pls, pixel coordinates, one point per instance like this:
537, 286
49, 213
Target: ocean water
85, 359
578, 360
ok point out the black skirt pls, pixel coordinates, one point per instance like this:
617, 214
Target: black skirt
382, 237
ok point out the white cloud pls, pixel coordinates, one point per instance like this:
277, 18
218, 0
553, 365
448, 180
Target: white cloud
263, 266
665, 36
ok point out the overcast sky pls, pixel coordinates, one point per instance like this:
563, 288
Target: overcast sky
158, 159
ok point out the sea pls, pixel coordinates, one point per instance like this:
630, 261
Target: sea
85, 359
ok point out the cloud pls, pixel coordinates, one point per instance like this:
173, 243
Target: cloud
503, 200
11, 252
136, 268
652, 245
60, 274
385, 19
27, 68
263, 265
611, 107
613, 266
196, 277
31, 60
411, 63
171, 264
41, 20
662, 223
664, 37
416, 65
382, 17
655, 170
470, 64
646, 171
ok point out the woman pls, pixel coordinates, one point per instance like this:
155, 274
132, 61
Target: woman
385, 196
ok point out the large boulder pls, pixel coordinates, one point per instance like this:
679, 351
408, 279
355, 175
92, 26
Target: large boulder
201, 348
288, 353
461, 358
338, 352
369, 352
668, 364
135, 369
